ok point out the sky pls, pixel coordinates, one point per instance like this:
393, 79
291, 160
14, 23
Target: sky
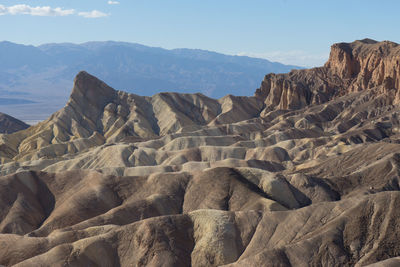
297, 32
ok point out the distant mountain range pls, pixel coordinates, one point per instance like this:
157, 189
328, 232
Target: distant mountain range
44, 73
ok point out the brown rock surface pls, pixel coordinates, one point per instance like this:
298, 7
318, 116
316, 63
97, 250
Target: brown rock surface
306, 173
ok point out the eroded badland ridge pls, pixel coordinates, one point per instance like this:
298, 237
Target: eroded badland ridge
305, 173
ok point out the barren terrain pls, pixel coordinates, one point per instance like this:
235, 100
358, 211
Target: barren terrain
305, 173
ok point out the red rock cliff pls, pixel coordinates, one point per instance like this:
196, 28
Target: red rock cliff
361, 65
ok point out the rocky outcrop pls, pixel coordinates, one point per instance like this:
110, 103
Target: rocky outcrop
9, 124
366, 64
352, 67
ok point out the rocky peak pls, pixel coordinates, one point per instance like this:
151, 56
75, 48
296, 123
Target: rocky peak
89, 90
88, 99
357, 66
342, 61
369, 59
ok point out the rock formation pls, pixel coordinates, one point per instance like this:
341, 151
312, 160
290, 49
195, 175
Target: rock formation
306, 173
352, 67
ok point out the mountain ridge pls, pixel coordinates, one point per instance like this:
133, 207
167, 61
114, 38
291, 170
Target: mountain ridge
81, 55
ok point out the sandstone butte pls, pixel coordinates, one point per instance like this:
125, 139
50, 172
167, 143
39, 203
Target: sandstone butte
304, 173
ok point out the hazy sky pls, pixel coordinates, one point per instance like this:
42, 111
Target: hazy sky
290, 31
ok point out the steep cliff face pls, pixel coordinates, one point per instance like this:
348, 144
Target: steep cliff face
352, 67
366, 63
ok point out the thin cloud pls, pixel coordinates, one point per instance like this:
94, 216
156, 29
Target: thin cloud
35, 11
295, 57
46, 11
113, 2
93, 14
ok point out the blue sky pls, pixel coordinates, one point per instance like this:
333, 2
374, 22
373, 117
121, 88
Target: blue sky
290, 31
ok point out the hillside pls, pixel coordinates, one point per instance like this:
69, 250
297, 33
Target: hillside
304, 173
